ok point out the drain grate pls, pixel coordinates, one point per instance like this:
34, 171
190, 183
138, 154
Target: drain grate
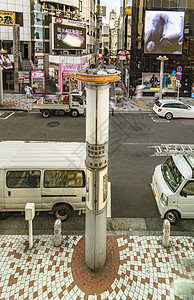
53, 124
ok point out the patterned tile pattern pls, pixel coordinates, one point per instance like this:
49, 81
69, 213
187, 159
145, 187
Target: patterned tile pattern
137, 267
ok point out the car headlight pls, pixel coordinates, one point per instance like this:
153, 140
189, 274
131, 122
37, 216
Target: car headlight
164, 199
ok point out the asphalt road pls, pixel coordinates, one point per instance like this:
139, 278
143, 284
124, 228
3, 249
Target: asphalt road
131, 164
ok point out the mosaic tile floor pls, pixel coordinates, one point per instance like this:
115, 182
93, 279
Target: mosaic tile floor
137, 267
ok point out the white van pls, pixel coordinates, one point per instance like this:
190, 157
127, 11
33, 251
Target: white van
173, 187
50, 174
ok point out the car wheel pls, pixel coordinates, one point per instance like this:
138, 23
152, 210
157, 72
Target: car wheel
168, 116
62, 212
45, 113
172, 216
74, 113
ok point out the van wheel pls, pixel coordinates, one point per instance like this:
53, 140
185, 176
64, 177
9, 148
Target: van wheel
74, 113
172, 216
5, 215
45, 113
168, 116
62, 212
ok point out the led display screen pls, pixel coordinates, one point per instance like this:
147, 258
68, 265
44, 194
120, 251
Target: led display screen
163, 32
68, 37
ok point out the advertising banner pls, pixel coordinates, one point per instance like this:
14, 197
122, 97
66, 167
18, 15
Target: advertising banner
7, 17
69, 37
163, 32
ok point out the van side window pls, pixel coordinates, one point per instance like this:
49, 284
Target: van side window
189, 188
23, 179
64, 179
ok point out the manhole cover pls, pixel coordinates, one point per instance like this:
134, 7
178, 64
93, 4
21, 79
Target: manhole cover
53, 124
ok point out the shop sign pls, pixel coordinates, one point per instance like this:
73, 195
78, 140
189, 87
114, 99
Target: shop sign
7, 17
37, 74
70, 67
123, 57
23, 77
52, 72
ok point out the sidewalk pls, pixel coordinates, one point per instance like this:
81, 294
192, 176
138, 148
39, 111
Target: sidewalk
137, 267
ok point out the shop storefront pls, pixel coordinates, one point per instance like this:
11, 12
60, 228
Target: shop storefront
37, 77
23, 79
68, 81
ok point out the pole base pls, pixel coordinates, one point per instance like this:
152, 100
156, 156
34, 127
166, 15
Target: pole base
95, 239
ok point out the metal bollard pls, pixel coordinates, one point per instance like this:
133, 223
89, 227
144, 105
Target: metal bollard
57, 233
166, 233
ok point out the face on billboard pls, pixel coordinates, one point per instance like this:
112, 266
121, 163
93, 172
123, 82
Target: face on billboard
68, 37
163, 32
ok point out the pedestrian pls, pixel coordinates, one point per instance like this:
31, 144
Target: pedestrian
130, 92
28, 91
112, 106
34, 87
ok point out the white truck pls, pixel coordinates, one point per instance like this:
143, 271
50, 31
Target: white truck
74, 104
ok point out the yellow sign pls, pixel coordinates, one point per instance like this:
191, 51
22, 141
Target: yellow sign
7, 17
128, 10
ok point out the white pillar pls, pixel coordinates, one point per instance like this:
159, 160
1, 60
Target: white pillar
97, 128
161, 77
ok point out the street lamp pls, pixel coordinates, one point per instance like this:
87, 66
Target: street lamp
2, 51
162, 60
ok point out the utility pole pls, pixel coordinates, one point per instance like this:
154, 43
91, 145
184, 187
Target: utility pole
16, 49
97, 31
2, 51
161, 59
97, 130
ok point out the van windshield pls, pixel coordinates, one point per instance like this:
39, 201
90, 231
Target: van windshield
171, 174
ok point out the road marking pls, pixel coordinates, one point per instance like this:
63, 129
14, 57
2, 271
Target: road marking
7, 115
157, 119
187, 121
144, 144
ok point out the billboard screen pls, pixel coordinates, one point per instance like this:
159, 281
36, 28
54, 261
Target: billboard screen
67, 37
163, 32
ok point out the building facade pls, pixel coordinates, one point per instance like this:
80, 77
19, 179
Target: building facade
57, 37
162, 28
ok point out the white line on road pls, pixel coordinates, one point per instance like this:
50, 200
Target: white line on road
144, 144
7, 116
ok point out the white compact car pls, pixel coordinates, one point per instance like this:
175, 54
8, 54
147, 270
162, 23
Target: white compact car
169, 109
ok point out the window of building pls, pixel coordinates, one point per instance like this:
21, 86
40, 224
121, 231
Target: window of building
38, 19
173, 3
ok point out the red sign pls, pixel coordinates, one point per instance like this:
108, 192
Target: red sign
58, 20
178, 77
123, 52
179, 69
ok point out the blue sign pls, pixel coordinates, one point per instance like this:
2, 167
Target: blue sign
174, 73
179, 69
178, 77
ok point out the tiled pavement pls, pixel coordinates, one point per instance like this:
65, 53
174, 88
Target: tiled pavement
137, 267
